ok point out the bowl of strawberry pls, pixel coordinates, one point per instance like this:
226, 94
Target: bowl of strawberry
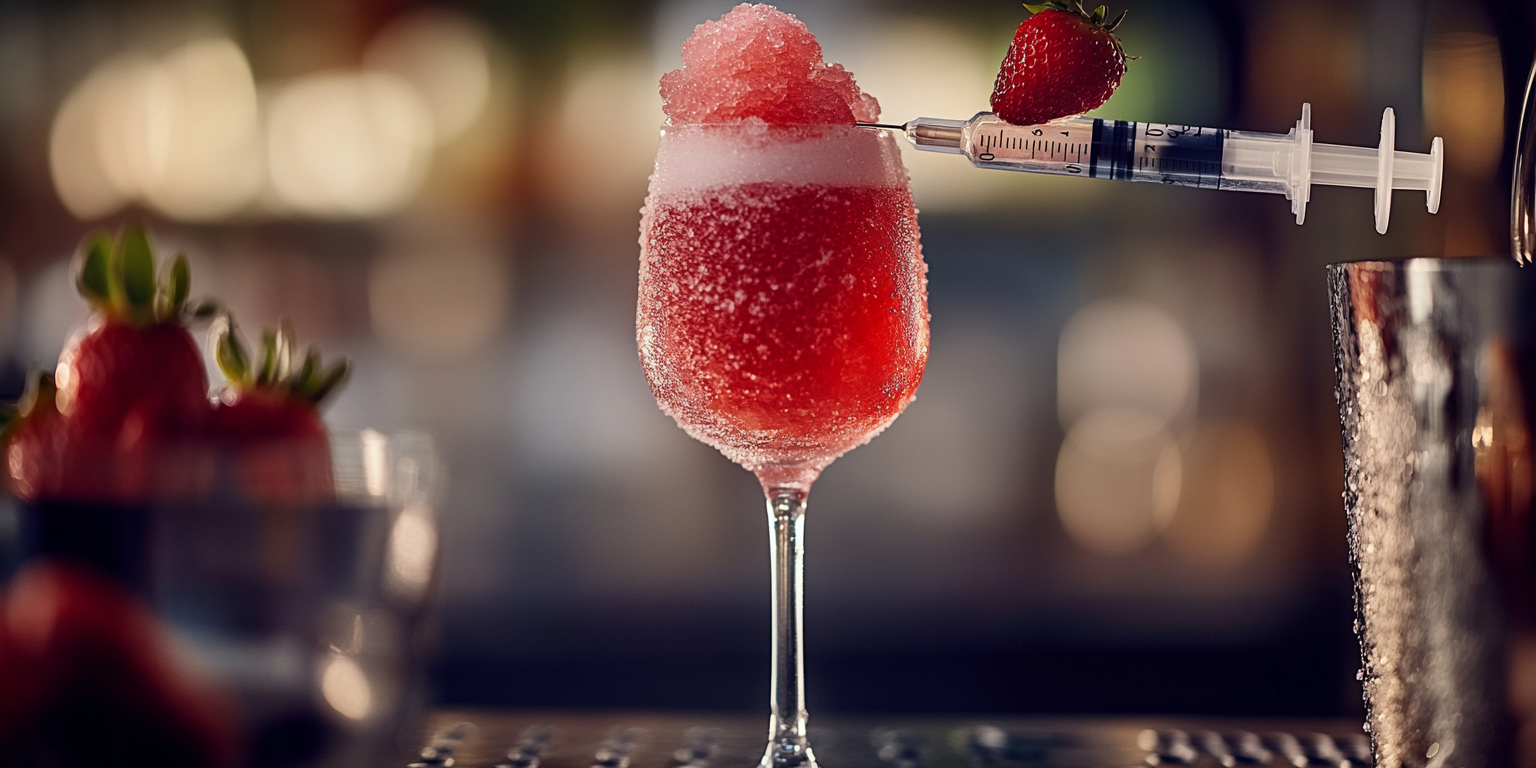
210, 577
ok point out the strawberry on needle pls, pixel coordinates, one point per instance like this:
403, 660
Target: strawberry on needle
1064, 61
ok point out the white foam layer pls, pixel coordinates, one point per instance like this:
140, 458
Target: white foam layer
693, 158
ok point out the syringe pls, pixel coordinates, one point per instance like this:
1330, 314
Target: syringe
1184, 155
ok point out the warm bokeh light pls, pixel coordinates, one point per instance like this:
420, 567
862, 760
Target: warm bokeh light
375, 459
347, 145
602, 144
443, 303
178, 133
446, 57
412, 552
1117, 480
135, 122
1229, 490
1464, 100
1127, 373
1125, 353
213, 164
182, 133
345, 687
80, 174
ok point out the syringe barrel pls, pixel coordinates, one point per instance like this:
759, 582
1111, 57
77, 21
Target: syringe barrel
1081, 146
1062, 147
1256, 162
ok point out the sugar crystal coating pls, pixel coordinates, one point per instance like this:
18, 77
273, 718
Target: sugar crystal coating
759, 62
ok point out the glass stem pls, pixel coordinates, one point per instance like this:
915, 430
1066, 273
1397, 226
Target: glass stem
787, 745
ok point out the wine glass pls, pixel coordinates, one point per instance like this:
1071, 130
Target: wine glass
783, 320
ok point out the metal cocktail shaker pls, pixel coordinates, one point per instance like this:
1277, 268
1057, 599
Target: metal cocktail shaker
1432, 358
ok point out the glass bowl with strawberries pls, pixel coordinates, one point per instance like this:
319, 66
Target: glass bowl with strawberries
208, 580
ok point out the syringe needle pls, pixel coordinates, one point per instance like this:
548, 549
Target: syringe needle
901, 127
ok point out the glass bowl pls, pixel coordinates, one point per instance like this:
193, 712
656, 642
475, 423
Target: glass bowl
292, 581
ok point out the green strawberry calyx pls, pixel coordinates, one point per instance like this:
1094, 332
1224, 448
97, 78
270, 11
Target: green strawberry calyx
1075, 7
280, 370
39, 396
118, 277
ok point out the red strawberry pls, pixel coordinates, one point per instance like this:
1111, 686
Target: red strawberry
269, 416
42, 459
136, 353
34, 439
28, 688
125, 387
80, 655
1063, 61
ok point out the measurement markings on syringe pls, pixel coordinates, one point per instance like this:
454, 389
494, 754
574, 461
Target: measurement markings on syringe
1066, 149
1167, 154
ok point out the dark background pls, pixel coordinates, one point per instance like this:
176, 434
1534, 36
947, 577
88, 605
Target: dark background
595, 557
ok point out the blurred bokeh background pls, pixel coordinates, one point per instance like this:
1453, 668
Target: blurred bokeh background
1117, 491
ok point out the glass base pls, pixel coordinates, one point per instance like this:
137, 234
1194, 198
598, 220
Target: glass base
791, 752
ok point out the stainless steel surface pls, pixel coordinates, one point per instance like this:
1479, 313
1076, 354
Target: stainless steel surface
472, 739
